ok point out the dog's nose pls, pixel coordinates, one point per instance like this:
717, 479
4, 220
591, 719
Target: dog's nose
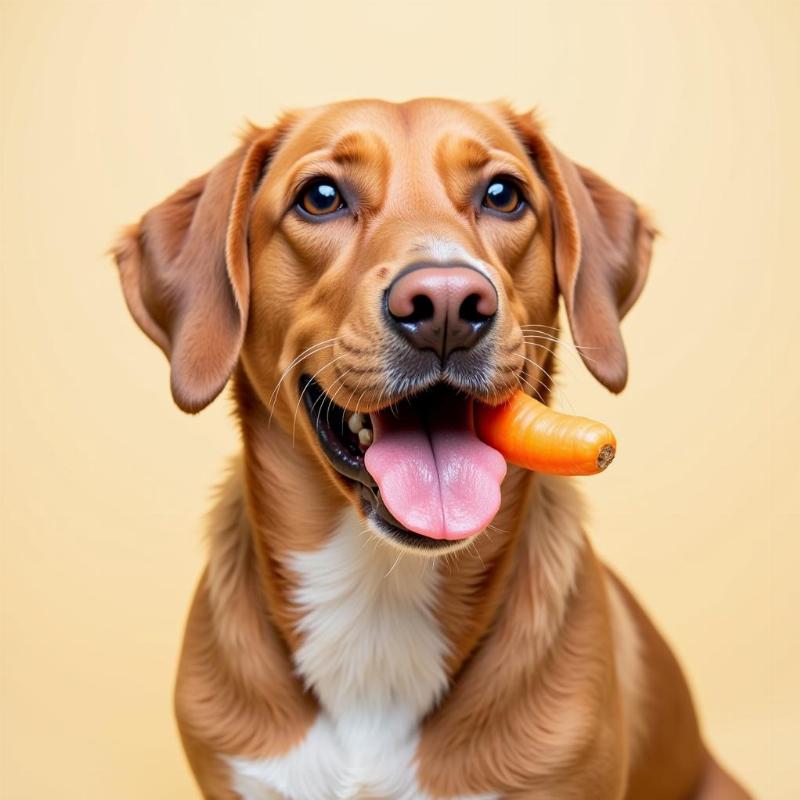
443, 307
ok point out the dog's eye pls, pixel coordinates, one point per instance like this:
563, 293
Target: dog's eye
320, 197
503, 195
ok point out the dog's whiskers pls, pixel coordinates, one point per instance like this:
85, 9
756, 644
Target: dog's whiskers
331, 404
539, 325
533, 388
553, 384
555, 354
307, 353
332, 398
531, 338
396, 562
472, 546
358, 386
495, 528
533, 329
305, 388
325, 397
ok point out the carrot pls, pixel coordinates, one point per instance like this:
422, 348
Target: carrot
531, 435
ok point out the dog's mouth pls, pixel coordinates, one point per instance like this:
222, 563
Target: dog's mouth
425, 478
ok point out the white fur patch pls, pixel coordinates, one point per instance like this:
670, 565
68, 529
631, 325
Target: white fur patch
374, 655
372, 641
438, 249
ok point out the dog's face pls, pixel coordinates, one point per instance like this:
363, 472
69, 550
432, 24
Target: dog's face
377, 269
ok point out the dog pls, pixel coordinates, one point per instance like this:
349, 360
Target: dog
385, 612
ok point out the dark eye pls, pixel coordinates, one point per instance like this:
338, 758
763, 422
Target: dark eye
503, 195
320, 197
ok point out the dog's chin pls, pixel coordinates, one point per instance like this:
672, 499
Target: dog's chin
343, 450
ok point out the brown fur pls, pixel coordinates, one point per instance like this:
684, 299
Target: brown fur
560, 686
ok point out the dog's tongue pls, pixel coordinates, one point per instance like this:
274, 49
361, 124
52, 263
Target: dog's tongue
436, 477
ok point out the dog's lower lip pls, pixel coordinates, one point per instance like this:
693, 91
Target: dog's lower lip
373, 506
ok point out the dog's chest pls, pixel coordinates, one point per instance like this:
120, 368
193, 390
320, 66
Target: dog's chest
373, 653
356, 756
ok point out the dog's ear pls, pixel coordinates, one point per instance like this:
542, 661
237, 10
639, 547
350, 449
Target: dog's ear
603, 244
185, 274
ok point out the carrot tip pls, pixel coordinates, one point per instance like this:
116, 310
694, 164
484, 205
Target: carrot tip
605, 456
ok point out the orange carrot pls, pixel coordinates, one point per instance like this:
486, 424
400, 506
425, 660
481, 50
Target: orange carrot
531, 435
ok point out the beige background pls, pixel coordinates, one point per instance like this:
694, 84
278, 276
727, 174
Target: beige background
108, 107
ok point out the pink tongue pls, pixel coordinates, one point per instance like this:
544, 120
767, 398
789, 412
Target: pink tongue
436, 477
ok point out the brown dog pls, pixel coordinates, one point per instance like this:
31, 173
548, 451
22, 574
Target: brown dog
367, 626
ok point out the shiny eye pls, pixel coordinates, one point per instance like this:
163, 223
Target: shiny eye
503, 195
320, 197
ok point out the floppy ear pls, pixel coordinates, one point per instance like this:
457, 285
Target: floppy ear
603, 245
185, 273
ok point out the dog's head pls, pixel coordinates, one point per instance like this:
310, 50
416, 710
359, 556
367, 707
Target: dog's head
375, 269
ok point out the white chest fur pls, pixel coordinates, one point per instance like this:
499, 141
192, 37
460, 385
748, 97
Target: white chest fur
372, 641
374, 655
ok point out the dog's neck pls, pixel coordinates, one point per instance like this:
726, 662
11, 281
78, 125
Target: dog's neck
317, 568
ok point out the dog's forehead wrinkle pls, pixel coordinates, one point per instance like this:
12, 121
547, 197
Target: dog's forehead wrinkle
357, 146
459, 124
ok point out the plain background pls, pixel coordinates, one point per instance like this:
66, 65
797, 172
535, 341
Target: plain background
108, 107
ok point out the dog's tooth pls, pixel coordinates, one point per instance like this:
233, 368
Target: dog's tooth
356, 422
365, 437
